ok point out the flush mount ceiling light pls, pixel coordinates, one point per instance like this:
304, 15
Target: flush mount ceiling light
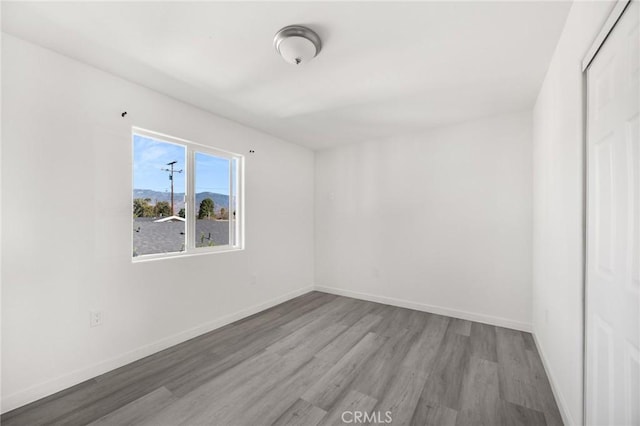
297, 44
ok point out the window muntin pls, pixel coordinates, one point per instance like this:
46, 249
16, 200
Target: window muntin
205, 173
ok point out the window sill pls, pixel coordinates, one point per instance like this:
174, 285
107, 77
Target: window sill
196, 252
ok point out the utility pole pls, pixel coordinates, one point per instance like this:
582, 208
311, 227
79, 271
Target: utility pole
171, 172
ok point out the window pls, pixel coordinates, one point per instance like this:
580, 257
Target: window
186, 197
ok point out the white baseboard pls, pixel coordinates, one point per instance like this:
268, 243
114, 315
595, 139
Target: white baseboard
471, 316
566, 416
50, 387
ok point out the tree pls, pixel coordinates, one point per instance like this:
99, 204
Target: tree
206, 209
224, 214
163, 208
182, 213
142, 208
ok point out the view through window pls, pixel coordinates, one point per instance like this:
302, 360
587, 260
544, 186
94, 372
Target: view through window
212, 185
168, 217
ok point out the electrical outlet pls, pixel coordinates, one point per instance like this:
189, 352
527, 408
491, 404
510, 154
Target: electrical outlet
253, 280
95, 318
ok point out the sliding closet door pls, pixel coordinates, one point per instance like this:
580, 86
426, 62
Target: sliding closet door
613, 229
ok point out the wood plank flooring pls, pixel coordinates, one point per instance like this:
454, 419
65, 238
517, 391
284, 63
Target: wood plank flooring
313, 358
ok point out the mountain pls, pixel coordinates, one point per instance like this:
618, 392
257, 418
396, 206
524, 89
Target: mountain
219, 200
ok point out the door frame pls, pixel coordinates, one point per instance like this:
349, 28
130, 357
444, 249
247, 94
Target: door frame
608, 26
612, 20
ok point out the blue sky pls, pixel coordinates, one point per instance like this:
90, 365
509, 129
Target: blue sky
151, 156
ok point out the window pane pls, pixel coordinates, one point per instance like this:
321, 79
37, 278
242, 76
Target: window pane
158, 196
212, 200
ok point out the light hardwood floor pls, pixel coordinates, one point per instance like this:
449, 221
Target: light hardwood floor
313, 358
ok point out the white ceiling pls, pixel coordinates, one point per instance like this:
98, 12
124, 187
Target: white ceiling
386, 68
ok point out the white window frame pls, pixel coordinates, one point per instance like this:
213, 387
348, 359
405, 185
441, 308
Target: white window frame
236, 226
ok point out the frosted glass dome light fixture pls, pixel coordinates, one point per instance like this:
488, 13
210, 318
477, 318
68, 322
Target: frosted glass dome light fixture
297, 44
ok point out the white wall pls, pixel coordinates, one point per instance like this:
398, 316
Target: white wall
558, 208
439, 221
66, 220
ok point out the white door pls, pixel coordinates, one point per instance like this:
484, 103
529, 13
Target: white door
613, 228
